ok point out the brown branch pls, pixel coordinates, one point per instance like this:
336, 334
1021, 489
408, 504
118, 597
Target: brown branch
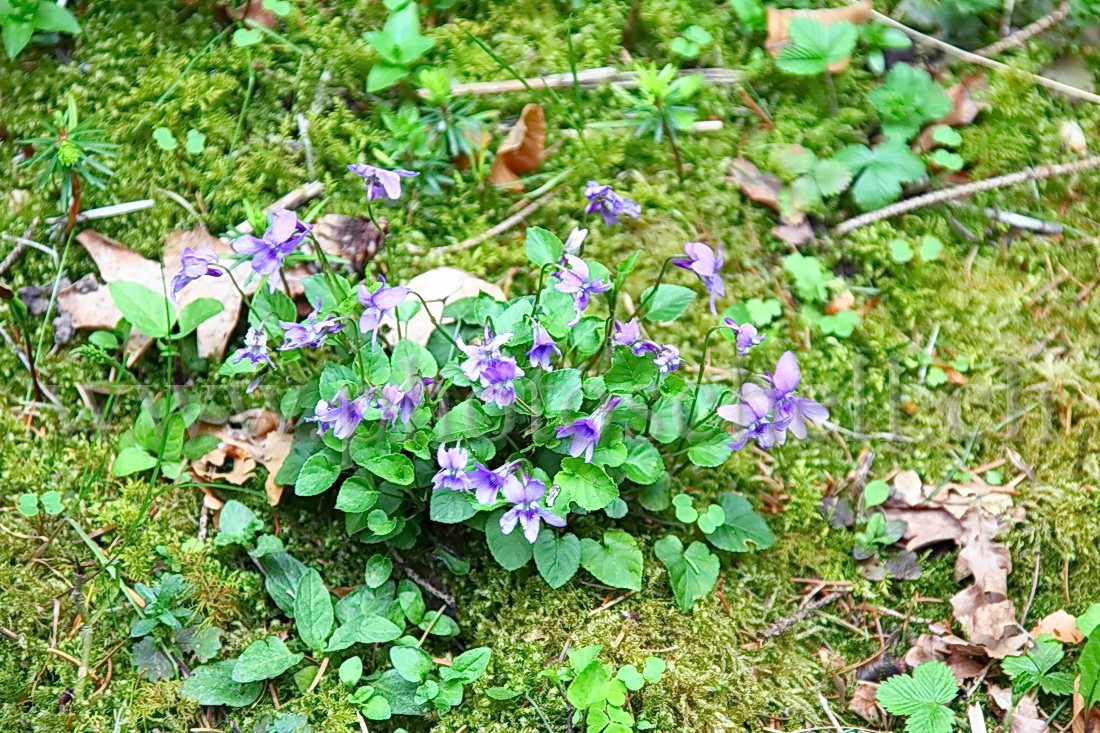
488, 234
1022, 36
586, 79
948, 194
973, 58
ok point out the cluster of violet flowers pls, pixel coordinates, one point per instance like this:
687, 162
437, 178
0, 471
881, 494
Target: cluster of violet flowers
766, 414
519, 488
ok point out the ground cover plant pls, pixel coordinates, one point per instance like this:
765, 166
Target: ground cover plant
616, 367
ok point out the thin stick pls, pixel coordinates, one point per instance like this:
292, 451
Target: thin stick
488, 234
1022, 36
585, 79
974, 58
104, 212
936, 197
1034, 587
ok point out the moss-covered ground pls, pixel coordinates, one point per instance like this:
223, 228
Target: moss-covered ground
139, 66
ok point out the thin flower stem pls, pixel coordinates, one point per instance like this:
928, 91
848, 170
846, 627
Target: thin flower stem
702, 369
653, 291
436, 323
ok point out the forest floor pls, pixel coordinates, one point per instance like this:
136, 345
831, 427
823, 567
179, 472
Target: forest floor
976, 365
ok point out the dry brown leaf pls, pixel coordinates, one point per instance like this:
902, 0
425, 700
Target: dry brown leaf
212, 336
350, 237
523, 150
1026, 717
865, 705
276, 448
759, 187
440, 287
793, 234
843, 302
964, 108
1083, 721
93, 307
988, 624
256, 442
779, 22
980, 555
1061, 625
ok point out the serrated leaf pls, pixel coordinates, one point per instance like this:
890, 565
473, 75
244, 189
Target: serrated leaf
264, 659
921, 696
313, 616
881, 172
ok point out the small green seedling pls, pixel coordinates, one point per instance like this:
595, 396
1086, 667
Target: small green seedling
49, 502
21, 19
691, 42
399, 44
816, 49
922, 697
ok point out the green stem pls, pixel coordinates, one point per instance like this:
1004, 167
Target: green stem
245, 104
48, 319
653, 291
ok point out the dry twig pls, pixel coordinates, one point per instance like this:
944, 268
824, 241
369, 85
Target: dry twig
488, 234
1022, 36
973, 58
936, 197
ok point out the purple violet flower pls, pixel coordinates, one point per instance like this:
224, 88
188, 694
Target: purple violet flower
578, 282
705, 263
665, 356
342, 415
378, 305
792, 411
487, 482
627, 334
497, 381
586, 430
746, 335
481, 356
543, 349
452, 469
526, 493
282, 237
311, 333
255, 347
574, 242
396, 403
195, 263
611, 205
751, 414
381, 182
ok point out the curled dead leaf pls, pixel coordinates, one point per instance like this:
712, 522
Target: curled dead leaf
759, 187
865, 704
1061, 625
440, 287
843, 302
964, 108
349, 237
256, 442
779, 23
522, 151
